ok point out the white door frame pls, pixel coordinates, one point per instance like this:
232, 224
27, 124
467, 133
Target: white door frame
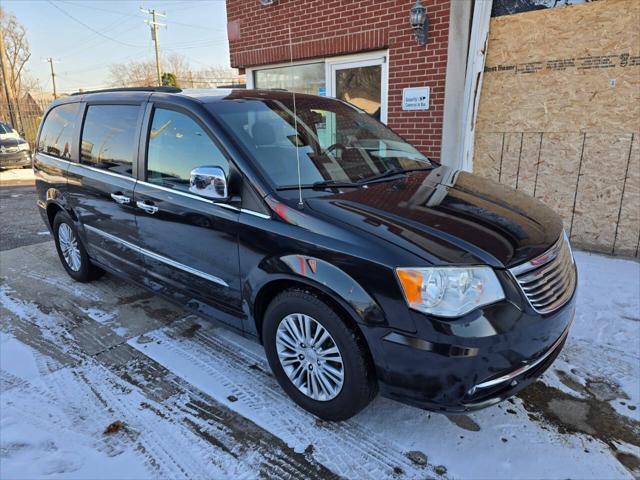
361, 60
473, 79
331, 64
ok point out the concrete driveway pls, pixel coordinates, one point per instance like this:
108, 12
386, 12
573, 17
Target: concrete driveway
105, 380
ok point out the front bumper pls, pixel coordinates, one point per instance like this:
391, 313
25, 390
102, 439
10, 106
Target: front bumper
21, 158
473, 362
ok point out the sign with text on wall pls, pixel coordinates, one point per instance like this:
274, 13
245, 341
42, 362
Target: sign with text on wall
415, 98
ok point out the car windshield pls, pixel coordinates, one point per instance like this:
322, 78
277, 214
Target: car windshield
336, 143
4, 128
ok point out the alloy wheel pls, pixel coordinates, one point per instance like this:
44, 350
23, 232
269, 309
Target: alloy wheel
310, 357
69, 247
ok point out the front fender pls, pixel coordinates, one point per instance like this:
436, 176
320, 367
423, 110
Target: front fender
321, 275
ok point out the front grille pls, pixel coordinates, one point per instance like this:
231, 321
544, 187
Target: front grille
548, 281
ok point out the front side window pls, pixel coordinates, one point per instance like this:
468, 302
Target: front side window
57, 132
177, 145
109, 138
334, 141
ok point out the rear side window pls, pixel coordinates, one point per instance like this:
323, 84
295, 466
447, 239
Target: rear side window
57, 132
177, 145
109, 137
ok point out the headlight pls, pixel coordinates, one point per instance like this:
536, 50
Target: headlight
449, 291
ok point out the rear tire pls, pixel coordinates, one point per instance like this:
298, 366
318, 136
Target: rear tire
309, 370
73, 255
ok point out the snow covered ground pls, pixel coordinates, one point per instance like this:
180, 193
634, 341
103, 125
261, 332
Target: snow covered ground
194, 401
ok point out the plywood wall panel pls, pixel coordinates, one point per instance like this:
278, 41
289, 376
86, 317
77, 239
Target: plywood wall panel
628, 234
558, 172
488, 154
529, 157
573, 69
602, 174
557, 77
510, 159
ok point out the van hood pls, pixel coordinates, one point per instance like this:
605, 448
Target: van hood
447, 216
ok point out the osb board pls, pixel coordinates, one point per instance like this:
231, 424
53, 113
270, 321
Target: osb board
572, 69
628, 234
528, 162
488, 154
599, 196
510, 159
558, 172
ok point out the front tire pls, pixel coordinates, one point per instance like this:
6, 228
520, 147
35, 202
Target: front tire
73, 255
321, 362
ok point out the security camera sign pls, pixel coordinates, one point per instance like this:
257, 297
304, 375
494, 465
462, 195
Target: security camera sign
416, 98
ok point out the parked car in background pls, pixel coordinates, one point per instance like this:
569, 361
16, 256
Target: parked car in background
14, 150
306, 224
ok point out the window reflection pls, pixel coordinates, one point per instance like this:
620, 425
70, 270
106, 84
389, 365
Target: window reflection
108, 137
57, 131
177, 145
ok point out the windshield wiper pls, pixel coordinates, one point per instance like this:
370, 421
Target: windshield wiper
392, 172
321, 184
333, 184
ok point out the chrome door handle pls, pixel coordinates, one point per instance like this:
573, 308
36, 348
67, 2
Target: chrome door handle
147, 208
121, 199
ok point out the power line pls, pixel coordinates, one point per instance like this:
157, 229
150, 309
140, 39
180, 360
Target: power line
97, 32
115, 12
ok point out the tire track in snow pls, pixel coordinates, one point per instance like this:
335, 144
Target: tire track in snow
219, 426
186, 434
222, 368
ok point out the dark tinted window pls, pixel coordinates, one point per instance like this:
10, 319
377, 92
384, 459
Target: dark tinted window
57, 131
108, 137
177, 145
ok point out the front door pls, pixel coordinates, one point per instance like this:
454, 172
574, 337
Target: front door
361, 83
189, 243
101, 185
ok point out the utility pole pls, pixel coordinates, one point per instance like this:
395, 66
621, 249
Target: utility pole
53, 77
154, 36
6, 82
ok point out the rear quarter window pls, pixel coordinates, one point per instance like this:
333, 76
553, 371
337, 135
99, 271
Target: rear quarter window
57, 132
109, 137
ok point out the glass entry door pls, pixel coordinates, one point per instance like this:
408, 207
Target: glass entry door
361, 83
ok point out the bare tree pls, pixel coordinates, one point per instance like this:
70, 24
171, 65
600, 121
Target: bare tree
143, 73
17, 50
133, 74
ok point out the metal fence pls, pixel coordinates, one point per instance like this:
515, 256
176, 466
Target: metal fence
27, 114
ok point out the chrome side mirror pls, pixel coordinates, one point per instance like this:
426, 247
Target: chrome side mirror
209, 182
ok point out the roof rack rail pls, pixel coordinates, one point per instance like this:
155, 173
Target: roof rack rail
132, 89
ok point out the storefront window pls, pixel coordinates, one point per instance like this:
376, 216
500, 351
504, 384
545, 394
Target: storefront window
308, 78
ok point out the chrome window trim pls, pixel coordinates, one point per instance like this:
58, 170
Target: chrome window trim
205, 200
256, 214
160, 258
88, 167
166, 189
100, 170
55, 158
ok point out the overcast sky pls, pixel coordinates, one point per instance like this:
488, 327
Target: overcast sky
114, 31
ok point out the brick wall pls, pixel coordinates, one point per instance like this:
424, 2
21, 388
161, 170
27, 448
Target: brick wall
326, 28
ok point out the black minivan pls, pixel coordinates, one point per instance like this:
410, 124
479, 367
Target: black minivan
301, 221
